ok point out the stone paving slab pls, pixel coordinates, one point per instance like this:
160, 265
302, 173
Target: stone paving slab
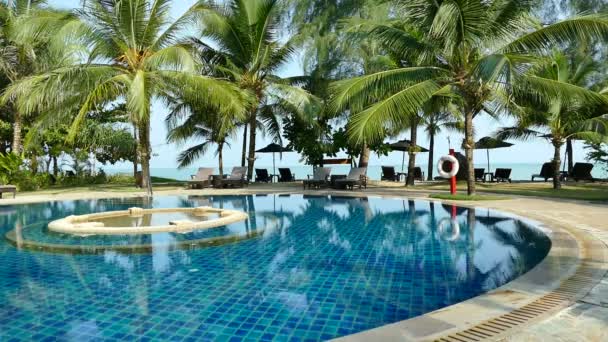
598, 295
580, 322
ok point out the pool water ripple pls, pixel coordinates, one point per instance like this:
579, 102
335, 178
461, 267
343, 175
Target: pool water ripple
320, 268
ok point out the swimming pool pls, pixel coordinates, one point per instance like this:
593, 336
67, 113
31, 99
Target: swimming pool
301, 268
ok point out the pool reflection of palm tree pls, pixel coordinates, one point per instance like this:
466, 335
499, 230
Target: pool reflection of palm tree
337, 228
33, 293
471, 223
530, 244
141, 282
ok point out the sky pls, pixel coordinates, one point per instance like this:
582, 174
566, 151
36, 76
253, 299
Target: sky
534, 151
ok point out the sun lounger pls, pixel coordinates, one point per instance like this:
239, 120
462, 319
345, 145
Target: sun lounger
202, 178
285, 175
479, 174
319, 179
502, 175
389, 174
582, 171
262, 176
356, 177
8, 189
236, 179
546, 172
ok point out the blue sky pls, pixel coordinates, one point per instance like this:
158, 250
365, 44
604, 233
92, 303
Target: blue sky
534, 151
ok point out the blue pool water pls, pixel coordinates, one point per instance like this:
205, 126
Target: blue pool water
302, 268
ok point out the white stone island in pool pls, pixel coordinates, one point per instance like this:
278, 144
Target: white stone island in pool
142, 221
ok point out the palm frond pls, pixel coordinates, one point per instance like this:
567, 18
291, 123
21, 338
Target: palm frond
370, 124
191, 154
579, 28
225, 96
545, 91
357, 93
298, 101
516, 132
271, 123
177, 57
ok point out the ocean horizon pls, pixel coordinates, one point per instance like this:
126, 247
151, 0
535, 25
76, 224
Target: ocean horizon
520, 171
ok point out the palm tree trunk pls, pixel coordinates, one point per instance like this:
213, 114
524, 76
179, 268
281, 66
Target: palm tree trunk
244, 152
135, 170
144, 156
431, 156
135, 157
557, 145
570, 154
48, 164
469, 145
34, 163
364, 158
471, 221
17, 126
411, 164
55, 167
251, 158
220, 157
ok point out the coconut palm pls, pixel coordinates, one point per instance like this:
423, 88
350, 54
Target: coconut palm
204, 125
480, 49
434, 123
135, 56
586, 71
581, 115
249, 53
27, 26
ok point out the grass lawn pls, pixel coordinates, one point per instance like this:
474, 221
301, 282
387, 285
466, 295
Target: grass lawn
127, 186
575, 191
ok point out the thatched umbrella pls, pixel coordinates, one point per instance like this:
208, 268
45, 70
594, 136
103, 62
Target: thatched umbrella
489, 143
405, 146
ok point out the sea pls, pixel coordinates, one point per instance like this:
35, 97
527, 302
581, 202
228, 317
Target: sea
520, 171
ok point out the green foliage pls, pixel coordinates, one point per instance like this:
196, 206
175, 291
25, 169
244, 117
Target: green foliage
12, 171
250, 54
312, 141
135, 55
83, 179
10, 167
108, 143
559, 104
598, 154
27, 181
475, 53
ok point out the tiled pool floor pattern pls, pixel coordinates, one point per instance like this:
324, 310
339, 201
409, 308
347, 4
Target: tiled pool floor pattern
323, 268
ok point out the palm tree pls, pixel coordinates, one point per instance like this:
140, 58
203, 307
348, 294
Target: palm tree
587, 72
207, 127
27, 27
134, 56
560, 119
480, 49
434, 123
249, 54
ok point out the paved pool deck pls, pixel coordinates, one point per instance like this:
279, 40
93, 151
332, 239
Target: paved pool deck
578, 229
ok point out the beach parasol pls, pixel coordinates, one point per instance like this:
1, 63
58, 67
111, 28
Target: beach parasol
489, 143
405, 145
273, 148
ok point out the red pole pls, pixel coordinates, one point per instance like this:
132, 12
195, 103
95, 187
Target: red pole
453, 179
